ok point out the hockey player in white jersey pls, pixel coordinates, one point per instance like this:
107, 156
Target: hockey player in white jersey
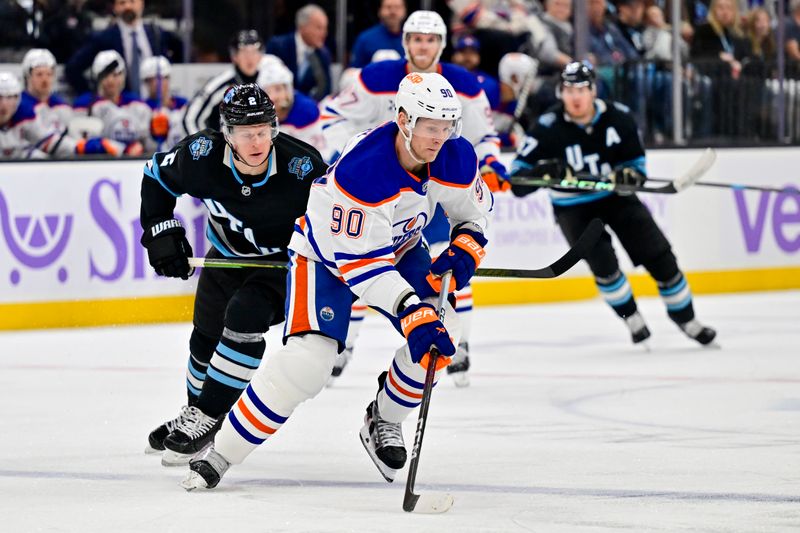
361, 237
124, 117
370, 102
166, 124
298, 114
24, 135
39, 75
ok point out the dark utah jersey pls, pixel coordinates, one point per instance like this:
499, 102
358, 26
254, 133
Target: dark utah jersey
249, 215
610, 141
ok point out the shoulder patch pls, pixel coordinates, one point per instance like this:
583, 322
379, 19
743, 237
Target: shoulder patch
622, 107
547, 119
200, 147
301, 166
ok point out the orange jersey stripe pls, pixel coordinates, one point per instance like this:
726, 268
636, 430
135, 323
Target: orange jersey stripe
344, 269
300, 321
401, 389
252, 419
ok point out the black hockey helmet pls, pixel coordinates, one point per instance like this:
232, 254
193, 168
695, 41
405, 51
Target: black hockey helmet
246, 38
247, 105
578, 73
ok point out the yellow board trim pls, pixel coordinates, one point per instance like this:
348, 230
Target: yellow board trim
82, 313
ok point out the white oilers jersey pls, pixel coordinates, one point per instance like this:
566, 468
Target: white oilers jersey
303, 122
367, 211
370, 101
126, 121
26, 136
55, 113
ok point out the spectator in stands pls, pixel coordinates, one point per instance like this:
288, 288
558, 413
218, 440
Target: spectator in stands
467, 53
516, 17
122, 116
630, 21
386, 35
657, 37
39, 74
792, 43
247, 50
304, 52
558, 19
760, 35
66, 27
129, 37
518, 86
166, 125
721, 37
607, 44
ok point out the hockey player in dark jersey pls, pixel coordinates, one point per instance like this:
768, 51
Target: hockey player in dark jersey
254, 182
586, 134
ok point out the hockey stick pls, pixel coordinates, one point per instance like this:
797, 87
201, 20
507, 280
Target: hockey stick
734, 186
587, 182
583, 246
427, 503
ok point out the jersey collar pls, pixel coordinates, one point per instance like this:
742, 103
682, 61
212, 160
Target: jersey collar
272, 168
600, 107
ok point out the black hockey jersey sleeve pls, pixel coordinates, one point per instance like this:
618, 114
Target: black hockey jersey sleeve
162, 183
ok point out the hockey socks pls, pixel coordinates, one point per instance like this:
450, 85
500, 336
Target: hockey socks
677, 297
233, 364
616, 291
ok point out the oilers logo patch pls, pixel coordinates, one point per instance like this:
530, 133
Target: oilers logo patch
200, 147
326, 313
301, 166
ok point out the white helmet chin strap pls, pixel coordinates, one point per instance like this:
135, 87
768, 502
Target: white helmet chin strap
408, 145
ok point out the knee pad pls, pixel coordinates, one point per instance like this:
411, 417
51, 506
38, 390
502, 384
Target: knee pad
249, 311
202, 346
299, 370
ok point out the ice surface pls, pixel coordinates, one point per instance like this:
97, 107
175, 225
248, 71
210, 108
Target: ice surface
566, 427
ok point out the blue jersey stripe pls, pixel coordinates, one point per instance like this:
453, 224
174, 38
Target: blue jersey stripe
340, 256
238, 357
213, 373
266, 411
240, 429
395, 398
361, 278
156, 175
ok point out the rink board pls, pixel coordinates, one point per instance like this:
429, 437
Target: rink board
70, 254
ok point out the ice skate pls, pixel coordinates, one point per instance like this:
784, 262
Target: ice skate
206, 470
155, 441
189, 437
384, 443
459, 366
338, 366
702, 334
638, 328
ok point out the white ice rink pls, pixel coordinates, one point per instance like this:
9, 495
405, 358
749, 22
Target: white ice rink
567, 427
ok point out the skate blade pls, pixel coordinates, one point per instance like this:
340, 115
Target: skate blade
387, 472
171, 458
645, 344
432, 504
152, 451
193, 481
461, 379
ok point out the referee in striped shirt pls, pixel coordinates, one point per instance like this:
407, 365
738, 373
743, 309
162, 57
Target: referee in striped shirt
247, 49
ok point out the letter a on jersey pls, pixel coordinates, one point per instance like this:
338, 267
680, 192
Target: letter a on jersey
612, 137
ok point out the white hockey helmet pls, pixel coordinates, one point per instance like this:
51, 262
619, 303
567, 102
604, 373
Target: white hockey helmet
107, 62
272, 71
429, 22
37, 57
10, 84
385, 54
518, 71
155, 66
428, 95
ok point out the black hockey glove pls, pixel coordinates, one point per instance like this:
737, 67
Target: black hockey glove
628, 176
168, 249
554, 170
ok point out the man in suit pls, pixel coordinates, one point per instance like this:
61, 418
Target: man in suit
304, 52
131, 38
